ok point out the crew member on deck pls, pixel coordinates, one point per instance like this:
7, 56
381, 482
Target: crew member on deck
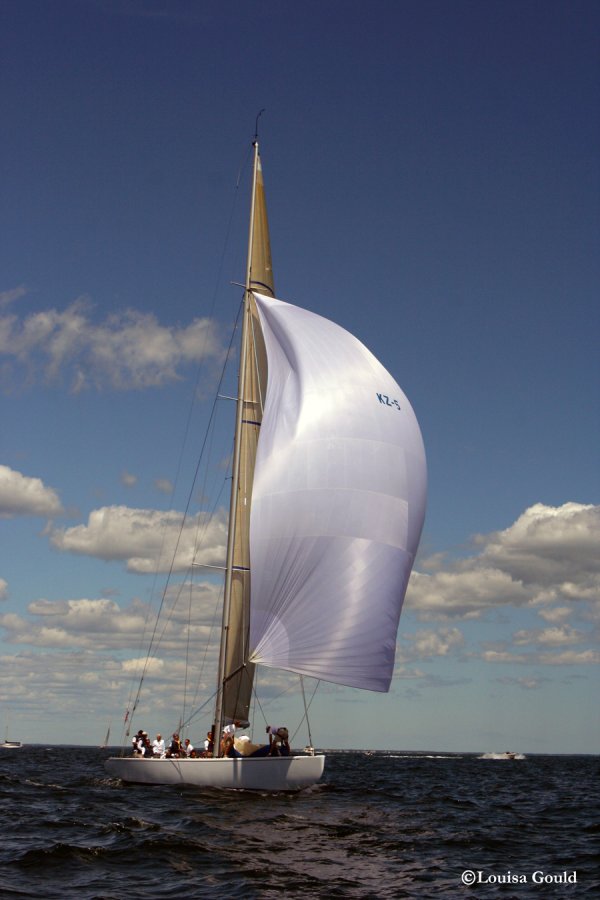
138, 743
278, 740
209, 745
175, 746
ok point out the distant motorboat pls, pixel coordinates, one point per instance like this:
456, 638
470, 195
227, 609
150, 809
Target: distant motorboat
508, 754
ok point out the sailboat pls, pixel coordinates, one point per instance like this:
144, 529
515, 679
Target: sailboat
9, 745
106, 739
326, 509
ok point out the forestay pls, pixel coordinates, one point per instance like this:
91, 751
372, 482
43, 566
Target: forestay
338, 504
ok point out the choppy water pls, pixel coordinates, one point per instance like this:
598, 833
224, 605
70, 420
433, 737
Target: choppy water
386, 825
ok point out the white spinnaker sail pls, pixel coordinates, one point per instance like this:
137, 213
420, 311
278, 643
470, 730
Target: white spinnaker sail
337, 505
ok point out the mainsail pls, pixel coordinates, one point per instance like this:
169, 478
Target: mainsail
238, 672
337, 507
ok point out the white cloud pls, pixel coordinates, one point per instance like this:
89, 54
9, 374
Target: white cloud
91, 624
3, 589
163, 485
465, 590
8, 297
427, 644
409, 674
550, 554
553, 637
92, 646
129, 350
148, 540
128, 480
21, 495
570, 658
151, 665
526, 683
547, 562
103, 625
548, 545
504, 656
555, 613
85, 656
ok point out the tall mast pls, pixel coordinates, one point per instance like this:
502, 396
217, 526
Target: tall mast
235, 674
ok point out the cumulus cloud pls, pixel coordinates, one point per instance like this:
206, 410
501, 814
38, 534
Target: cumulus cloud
128, 350
72, 695
526, 683
548, 556
555, 613
464, 590
428, 644
22, 495
588, 657
8, 297
504, 656
84, 655
550, 637
151, 665
147, 540
102, 624
546, 565
92, 645
547, 545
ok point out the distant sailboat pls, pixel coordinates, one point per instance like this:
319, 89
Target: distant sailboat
106, 739
326, 512
9, 745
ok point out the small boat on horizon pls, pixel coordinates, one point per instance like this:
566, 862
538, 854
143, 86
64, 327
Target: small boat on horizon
508, 754
9, 745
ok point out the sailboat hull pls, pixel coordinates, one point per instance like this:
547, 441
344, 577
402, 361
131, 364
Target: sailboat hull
291, 773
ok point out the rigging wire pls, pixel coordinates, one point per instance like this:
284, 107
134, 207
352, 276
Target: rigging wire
306, 708
207, 519
310, 743
133, 702
153, 641
208, 643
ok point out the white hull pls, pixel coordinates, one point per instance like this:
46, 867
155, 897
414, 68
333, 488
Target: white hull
284, 773
10, 745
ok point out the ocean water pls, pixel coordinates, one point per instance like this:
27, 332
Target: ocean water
388, 825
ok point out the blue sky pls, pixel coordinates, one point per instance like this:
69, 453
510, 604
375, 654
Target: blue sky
432, 180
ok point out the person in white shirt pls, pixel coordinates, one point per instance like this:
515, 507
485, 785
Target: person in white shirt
139, 743
158, 746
